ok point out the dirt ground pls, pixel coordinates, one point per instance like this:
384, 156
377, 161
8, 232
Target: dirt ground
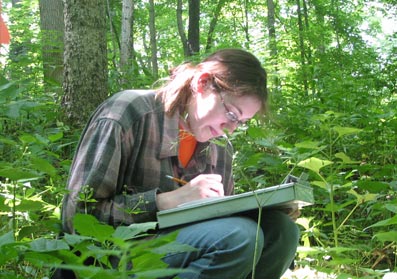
308, 273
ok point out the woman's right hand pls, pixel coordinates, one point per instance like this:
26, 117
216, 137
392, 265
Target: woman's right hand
200, 187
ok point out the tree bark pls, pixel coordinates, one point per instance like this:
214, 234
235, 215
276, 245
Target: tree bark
302, 48
85, 73
194, 27
127, 43
214, 20
271, 25
181, 28
153, 40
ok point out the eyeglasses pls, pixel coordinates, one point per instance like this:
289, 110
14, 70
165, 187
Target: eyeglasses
231, 116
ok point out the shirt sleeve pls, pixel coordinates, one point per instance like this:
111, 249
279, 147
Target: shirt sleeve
96, 178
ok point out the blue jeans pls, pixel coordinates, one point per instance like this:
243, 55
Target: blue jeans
226, 246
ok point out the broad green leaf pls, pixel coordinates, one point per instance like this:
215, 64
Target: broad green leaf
387, 236
7, 238
55, 137
74, 239
124, 232
43, 165
345, 159
320, 184
391, 207
8, 90
314, 164
3, 206
48, 245
10, 252
387, 222
91, 271
7, 141
158, 273
27, 138
363, 198
342, 131
309, 145
17, 174
88, 225
41, 259
256, 132
146, 260
30, 205
372, 186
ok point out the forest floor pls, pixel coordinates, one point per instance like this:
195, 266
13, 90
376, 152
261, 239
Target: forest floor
306, 273
309, 273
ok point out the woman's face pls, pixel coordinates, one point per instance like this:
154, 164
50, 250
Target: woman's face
207, 113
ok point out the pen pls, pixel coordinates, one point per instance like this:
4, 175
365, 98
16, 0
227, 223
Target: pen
180, 181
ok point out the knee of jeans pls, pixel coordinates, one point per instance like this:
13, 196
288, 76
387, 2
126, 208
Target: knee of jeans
280, 226
244, 232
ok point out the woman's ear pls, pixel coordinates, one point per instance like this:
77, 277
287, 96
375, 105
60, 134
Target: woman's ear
203, 81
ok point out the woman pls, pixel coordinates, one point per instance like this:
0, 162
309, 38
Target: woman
135, 139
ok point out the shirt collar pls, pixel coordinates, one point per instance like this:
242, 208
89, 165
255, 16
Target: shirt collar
170, 142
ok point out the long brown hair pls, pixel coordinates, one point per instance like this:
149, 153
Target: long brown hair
234, 71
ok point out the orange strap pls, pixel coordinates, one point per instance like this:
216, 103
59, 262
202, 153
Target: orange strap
4, 34
187, 145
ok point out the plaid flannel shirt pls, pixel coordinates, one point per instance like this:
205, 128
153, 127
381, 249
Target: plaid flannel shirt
125, 151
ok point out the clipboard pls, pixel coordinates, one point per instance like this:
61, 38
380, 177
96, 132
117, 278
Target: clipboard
293, 192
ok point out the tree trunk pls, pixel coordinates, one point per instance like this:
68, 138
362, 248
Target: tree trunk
246, 25
85, 73
153, 40
302, 48
310, 63
194, 27
52, 29
127, 43
214, 20
271, 25
181, 29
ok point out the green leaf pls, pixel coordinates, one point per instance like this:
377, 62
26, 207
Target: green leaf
48, 245
256, 132
387, 222
345, 159
55, 137
29, 205
391, 207
74, 239
159, 273
43, 165
88, 225
342, 131
363, 198
314, 164
8, 253
320, 184
386, 236
17, 174
309, 145
3, 206
41, 259
7, 238
125, 233
373, 186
